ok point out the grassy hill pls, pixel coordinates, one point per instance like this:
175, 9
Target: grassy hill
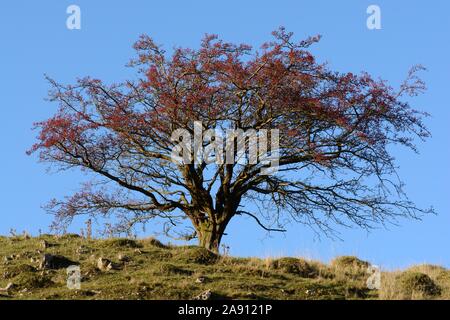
147, 269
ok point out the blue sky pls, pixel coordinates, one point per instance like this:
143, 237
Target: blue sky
35, 40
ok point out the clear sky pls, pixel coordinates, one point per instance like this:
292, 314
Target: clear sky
35, 40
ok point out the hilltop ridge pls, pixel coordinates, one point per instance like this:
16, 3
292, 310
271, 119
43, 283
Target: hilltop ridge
118, 268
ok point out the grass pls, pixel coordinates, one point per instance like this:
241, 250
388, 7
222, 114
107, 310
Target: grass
148, 269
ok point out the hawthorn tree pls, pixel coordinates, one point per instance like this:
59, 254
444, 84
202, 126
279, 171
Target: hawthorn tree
336, 134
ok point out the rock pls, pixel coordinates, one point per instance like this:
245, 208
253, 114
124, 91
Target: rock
106, 265
12, 257
103, 264
200, 280
204, 295
50, 261
288, 291
123, 258
310, 292
7, 288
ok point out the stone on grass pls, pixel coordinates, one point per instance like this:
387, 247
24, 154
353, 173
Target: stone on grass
104, 264
8, 287
200, 280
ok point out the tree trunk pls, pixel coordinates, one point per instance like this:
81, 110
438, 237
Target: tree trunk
210, 235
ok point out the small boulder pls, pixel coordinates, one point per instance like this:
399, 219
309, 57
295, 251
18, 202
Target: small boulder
8, 287
104, 264
123, 258
200, 280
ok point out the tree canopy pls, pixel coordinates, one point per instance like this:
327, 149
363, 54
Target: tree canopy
336, 133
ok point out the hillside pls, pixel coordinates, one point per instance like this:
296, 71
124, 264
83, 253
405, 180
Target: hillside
147, 269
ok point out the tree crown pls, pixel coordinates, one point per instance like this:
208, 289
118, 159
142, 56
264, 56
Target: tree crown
335, 130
